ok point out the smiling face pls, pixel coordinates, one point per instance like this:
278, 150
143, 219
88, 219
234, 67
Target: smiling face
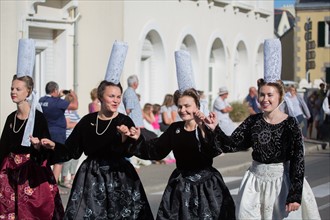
269, 98
111, 98
186, 108
19, 91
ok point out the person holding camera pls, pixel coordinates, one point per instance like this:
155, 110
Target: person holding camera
53, 107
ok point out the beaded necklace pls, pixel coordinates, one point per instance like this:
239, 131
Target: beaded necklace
15, 124
96, 127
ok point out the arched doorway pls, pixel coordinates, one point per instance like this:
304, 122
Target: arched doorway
216, 70
241, 72
152, 69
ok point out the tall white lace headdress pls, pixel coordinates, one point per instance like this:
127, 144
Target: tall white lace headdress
272, 60
184, 70
25, 66
116, 62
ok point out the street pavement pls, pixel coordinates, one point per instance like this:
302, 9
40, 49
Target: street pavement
155, 177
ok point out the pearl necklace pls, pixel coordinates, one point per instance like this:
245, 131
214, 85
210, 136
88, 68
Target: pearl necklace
97, 123
15, 124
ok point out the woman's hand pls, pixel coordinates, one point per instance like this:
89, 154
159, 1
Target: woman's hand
292, 207
35, 142
123, 129
129, 132
211, 121
135, 132
44, 142
48, 144
199, 117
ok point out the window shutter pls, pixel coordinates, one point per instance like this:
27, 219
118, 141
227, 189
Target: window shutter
327, 75
321, 34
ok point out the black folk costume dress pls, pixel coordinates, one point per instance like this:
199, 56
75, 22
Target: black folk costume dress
28, 189
195, 189
276, 176
106, 185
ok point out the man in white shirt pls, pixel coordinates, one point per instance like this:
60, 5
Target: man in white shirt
222, 108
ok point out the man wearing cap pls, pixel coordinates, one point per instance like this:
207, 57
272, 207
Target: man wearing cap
222, 108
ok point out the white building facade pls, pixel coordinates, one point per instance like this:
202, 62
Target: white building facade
74, 40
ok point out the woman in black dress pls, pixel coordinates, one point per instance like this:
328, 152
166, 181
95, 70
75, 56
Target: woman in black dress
28, 189
195, 189
106, 185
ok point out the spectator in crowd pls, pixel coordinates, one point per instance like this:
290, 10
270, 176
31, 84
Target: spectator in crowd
156, 129
252, 101
168, 112
53, 107
133, 109
327, 89
94, 106
325, 128
222, 108
326, 105
148, 116
132, 105
322, 92
69, 167
313, 105
300, 109
155, 124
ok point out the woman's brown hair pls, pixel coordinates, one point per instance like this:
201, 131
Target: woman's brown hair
101, 88
188, 92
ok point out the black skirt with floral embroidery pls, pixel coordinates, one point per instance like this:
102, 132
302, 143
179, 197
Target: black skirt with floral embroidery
107, 189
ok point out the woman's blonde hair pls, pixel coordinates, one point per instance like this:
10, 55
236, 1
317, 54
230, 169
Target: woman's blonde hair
93, 94
28, 81
168, 100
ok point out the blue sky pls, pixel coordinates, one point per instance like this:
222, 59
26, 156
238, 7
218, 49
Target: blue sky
280, 3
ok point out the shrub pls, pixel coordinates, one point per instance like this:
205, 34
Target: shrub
240, 111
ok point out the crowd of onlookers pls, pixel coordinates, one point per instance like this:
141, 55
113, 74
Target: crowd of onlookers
315, 99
